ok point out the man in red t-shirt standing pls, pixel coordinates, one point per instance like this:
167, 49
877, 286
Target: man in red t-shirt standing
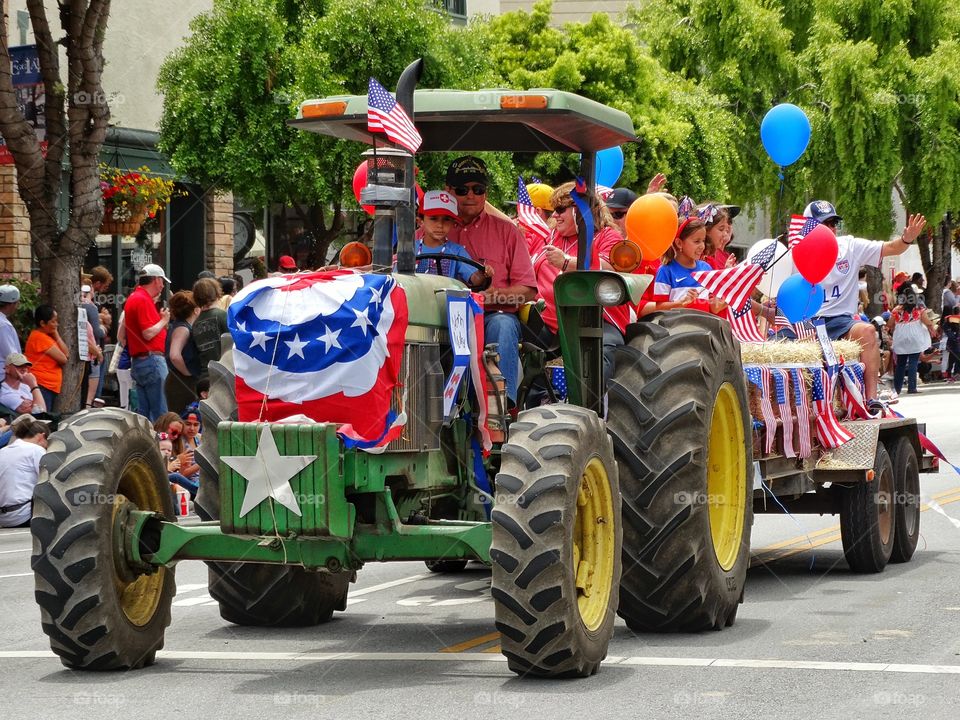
145, 331
497, 242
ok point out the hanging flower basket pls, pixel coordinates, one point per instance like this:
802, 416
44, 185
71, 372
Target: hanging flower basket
130, 198
130, 225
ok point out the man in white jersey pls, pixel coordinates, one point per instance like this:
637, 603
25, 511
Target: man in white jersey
839, 310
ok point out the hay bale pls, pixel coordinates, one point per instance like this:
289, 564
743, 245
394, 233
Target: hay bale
787, 352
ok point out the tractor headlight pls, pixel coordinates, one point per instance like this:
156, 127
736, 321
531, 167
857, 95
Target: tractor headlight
610, 291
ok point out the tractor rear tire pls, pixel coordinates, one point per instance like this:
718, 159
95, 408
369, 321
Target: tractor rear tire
556, 543
99, 612
906, 508
681, 431
867, 524
255, 594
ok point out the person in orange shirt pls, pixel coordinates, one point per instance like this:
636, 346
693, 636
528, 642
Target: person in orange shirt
48, 353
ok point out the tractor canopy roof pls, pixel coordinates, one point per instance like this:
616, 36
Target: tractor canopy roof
536, 120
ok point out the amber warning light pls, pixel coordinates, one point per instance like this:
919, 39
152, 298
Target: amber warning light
523, 102
325, 109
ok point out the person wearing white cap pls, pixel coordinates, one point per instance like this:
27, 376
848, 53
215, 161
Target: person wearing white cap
9, 302
439, 210
19, 391
145, 335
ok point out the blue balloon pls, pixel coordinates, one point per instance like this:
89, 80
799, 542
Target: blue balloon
798, 299
785, 133
609, 166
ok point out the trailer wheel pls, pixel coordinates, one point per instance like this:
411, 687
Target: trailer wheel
99, 610
867, 522
556, 543
682, 435
256, 594
906, 505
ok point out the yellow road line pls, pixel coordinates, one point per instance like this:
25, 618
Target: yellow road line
468, 644
494, 649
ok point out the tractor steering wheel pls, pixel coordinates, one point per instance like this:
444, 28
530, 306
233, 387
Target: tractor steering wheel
437, 257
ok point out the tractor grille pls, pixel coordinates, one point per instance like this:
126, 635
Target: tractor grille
421, 374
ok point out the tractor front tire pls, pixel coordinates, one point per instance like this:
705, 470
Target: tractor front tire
556, 543
255, 594
681, 431
99, 612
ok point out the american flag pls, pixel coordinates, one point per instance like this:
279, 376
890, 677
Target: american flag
734, 285
760, 376
804, 330
803, 412
799, 227
830, 432
327, 345
786, 417
852, 391
528, 216
385, 115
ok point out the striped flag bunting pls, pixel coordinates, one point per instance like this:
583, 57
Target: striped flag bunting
384, 114
803, 412
852, 391
527, 215
798, 228
830, 432
760, 376
781, 387
804, 330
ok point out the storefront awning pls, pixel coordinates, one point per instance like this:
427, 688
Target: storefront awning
129, 149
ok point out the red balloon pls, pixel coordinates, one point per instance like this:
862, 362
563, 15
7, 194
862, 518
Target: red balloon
359, 183
816, 254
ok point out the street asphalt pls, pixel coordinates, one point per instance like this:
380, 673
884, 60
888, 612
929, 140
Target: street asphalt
812, 640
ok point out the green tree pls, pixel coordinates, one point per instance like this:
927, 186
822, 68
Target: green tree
76, 119
246, 66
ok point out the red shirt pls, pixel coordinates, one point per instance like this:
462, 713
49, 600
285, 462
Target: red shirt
718, 261
604, 240
140, 312
497, 242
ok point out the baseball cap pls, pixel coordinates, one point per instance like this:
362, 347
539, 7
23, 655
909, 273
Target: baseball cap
206, 274
18, 359
732, 210
466, 169
151, 270
287, 263
9, 294
440, 203
85, 289
621, 198
540, 194
821, 211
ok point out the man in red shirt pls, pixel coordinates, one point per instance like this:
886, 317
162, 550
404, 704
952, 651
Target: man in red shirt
496, 242
145, 335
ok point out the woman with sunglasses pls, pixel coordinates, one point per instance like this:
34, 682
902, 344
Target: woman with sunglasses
559, 256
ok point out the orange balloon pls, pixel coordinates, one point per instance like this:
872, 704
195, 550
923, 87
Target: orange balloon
651, 223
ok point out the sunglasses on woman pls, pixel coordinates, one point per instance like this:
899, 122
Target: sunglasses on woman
561, 209
618, 214
464, 190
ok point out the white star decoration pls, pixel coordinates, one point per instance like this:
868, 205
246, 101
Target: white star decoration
268, 474
362, 321
259, 338
296, 346
241, 326
329, 338
376, 296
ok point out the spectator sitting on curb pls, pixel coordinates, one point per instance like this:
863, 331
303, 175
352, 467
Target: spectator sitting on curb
19, 391
19, 470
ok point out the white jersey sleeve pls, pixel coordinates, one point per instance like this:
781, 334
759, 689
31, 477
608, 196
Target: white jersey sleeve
841, 284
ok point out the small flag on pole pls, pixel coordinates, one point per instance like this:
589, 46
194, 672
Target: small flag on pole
528, 216
384, 114
799, 227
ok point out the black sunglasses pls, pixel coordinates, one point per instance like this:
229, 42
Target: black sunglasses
618, 214
463, 190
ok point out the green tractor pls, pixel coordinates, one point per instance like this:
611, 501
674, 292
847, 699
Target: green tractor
675, 446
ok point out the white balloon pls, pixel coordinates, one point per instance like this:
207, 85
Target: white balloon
774, 277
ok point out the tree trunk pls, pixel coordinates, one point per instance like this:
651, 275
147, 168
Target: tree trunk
935, 250
874, 290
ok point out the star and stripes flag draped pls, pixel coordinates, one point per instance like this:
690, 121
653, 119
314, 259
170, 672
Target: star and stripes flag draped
760, 376
324, 345
852, 391
528, 216
782, 390
735, 285
798, 228
830, 432
384, 114
803, 412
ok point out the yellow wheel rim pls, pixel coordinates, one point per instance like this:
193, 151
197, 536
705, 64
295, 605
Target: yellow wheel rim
726, 470
594, 545
140, 597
